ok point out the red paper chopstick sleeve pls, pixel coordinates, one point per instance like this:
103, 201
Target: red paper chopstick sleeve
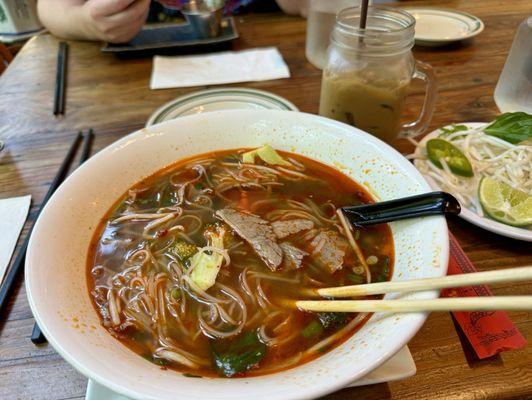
489, 332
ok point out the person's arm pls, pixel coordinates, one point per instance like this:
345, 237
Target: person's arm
293, 7
109, 20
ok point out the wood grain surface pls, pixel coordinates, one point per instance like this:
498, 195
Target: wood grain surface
112, 96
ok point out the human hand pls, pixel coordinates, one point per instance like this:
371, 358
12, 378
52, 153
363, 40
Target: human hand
115, 21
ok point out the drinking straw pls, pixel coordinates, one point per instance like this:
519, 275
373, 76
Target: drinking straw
59, 98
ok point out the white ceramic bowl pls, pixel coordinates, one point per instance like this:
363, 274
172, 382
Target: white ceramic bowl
55, 262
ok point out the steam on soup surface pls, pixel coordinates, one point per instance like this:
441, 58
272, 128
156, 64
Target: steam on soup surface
191, 266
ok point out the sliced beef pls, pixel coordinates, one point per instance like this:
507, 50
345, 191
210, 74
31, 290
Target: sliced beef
292, 256
289, 227
257, 232
329, 249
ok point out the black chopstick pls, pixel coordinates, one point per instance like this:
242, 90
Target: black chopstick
37, 336
85, 150
7, 284
59, 98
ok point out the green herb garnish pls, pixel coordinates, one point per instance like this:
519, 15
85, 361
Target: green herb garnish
144, 202
356, 279
512, 127
240, 355
324, 349
384, 273
332, 319
175, 293
312, 330
168, 198
160, 361
191, 375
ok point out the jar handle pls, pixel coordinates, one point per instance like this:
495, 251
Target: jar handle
426, 73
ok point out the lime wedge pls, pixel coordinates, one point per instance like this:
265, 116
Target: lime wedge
456, 160
504, 203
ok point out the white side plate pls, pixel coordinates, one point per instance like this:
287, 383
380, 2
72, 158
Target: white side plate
438, 27
218, 100
513, 232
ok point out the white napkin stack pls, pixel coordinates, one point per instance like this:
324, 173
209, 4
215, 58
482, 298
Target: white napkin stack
13, 213
218, 68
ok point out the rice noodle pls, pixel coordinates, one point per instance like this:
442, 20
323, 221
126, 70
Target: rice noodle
262, 298
156, 223
312, 208
251, 166
224, 316
353, 243
217, 311
245, 285
138, 217
314, 282
296, 164
194, 218
262, 275
175, 357
293, 173
113, 310
284, 214
214, 333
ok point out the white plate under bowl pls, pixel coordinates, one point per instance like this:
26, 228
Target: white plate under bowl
470, 215
56, 278
400, 366
438, 26
218, 100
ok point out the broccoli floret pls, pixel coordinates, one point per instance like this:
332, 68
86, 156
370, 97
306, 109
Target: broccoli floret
206, 265
184, 250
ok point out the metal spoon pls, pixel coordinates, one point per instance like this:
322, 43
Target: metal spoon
434, 203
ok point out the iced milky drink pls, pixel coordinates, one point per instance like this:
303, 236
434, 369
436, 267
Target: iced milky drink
374, 107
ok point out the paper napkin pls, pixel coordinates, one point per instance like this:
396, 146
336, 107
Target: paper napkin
218, 68
13, 213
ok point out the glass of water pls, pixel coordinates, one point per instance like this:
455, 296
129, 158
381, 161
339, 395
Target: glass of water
514, 88
320, 22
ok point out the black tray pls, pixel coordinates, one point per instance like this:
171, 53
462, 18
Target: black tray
172, 38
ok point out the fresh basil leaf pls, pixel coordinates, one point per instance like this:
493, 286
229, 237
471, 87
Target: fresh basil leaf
512, 127
240, 355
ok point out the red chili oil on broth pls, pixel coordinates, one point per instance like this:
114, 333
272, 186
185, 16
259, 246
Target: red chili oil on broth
142, 254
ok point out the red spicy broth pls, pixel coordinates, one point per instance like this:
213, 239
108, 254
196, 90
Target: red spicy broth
142, 252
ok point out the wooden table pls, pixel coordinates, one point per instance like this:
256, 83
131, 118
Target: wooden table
112, 96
